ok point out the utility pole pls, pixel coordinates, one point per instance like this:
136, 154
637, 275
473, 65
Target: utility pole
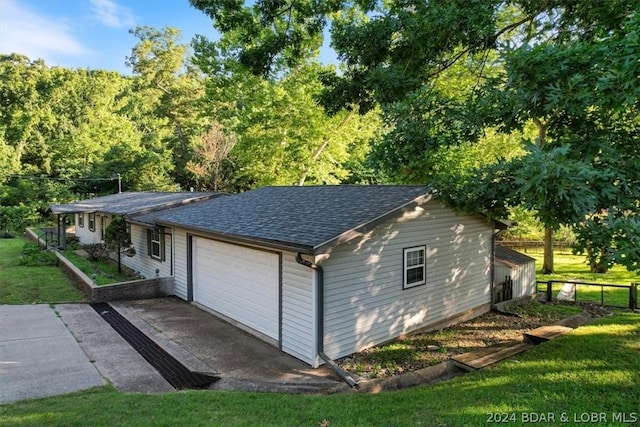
119, 183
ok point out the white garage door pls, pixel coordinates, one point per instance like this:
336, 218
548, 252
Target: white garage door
239, 282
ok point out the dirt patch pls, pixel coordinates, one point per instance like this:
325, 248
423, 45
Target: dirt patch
421, 350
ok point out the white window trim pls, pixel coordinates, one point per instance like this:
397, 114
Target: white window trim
157, 242
81, 220
405, 268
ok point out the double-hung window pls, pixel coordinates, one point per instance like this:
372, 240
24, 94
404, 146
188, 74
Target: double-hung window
155, 243
92, 222
415, 271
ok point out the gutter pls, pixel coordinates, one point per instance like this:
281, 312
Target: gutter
346, 377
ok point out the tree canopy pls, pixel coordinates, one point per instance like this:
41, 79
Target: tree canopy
498, 105
450, 73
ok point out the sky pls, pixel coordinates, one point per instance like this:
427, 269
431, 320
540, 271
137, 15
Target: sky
91, 33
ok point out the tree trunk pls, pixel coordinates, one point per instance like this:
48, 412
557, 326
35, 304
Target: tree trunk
316, 154
119, 265
598, 262
547, 264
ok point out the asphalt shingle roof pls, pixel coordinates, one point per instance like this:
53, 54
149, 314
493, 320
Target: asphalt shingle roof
511, 257
130, 202
300, 217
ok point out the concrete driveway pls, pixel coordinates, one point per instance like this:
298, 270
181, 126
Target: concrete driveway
242, 361
48, 351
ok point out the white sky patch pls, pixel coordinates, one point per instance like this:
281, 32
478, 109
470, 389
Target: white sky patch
111, 14
25, 31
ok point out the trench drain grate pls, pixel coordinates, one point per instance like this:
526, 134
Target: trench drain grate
176, 374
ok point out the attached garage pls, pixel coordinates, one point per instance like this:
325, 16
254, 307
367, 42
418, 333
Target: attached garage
239, 282
320, 270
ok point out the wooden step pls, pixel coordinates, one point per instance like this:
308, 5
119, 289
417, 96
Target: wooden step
479, 359
545, 333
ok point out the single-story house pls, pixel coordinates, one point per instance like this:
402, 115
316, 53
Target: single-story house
517, 269
325, 271
153, 252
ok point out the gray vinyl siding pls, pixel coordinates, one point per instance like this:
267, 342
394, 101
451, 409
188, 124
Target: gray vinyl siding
502, 271
180, 263
523, 276
142, 261
298, 309
365, 303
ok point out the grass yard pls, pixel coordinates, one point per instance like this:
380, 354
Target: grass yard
31, 285
106, 271
574, 268
569, 266
593, 370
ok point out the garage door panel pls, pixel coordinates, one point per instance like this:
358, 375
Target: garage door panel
239, 282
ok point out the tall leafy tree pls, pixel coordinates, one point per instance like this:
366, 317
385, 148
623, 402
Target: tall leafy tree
169, 88
570, 69
283, 136
579, 85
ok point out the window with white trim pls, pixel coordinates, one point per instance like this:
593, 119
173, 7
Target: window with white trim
415, 271
155, 243
92, 222
81, 220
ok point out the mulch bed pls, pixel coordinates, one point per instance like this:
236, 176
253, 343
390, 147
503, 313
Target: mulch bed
421, 350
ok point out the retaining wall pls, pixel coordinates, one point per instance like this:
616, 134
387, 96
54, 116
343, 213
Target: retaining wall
31, 235
135, 289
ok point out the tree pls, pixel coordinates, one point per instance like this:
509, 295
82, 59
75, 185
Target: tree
212, 154
169, 87
570, 69
118, 239
283, 137
14, 218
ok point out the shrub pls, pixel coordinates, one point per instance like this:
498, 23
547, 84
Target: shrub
34, 256
96, 251
73, 243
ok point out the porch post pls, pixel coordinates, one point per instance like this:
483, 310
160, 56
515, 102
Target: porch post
63, 235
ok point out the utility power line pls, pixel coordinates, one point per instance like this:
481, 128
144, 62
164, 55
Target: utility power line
118, 178
34, 177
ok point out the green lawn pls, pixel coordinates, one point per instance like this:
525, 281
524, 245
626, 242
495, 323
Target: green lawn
593, 370
571, 267
28, 285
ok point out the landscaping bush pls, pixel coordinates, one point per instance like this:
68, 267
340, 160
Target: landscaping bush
96, 251
73, 243
34, 256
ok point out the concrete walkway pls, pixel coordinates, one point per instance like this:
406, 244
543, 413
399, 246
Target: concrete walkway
38, 355
111, 354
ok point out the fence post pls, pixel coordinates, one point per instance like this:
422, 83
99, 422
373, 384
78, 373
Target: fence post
633, 296
549, 290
